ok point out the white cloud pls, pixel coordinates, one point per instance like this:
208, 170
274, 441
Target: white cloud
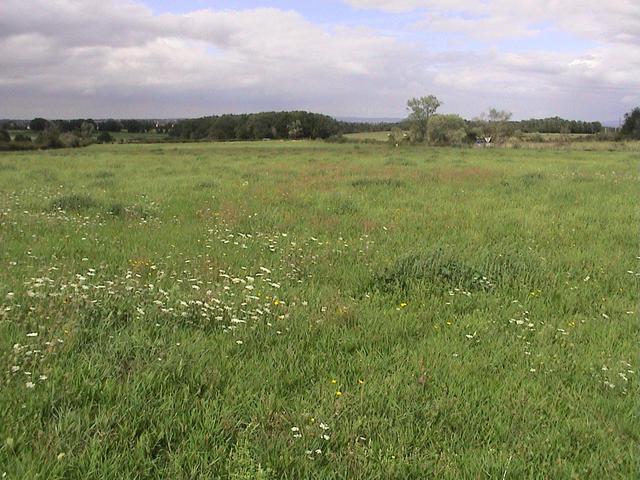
118, 58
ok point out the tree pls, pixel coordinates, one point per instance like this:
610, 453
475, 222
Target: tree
631, 126
295, 129
87, 128
4, 136
110, 126
499, 115
421, 110
495, 124
447, 130
38, 124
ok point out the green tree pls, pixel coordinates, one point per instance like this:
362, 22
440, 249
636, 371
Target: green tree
447, 130
4, 136
38, 124
295, 129
421, 109
495, 124
631, 126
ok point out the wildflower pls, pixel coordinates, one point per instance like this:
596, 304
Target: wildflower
324, 426
15, 368
361, 382
402, 305
30, 385
334, 381
326, 437
338, 393
32, 334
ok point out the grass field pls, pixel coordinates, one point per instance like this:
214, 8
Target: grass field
378, 136
300, 310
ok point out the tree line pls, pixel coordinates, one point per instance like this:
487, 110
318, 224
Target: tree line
423, 124
113, 126
257, 126
557, 125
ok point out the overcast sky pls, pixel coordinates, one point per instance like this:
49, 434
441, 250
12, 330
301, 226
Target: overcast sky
160, 58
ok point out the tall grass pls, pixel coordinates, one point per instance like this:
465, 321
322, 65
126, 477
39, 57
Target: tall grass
309, 310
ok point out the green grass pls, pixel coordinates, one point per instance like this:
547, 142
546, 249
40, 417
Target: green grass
305, 310
379, 136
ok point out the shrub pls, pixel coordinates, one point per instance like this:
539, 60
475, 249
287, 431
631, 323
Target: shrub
105, 137
69, 139
447, 130
49, 138
4, 136
22, 138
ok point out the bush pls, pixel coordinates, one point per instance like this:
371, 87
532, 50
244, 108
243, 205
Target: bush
105, 137
69, 139
22, 138
49, 138
75, 140
4, 136
447, 130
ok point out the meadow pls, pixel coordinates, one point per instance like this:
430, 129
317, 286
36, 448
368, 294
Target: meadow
294, 310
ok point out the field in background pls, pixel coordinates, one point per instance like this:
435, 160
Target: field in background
310, 310
379, 136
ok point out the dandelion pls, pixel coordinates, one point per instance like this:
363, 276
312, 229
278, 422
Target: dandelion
334, 381
338, 393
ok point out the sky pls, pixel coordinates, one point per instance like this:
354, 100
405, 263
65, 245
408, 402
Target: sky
578, 59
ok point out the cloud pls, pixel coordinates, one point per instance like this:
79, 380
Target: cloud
276, 57
611, 22
119, 58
